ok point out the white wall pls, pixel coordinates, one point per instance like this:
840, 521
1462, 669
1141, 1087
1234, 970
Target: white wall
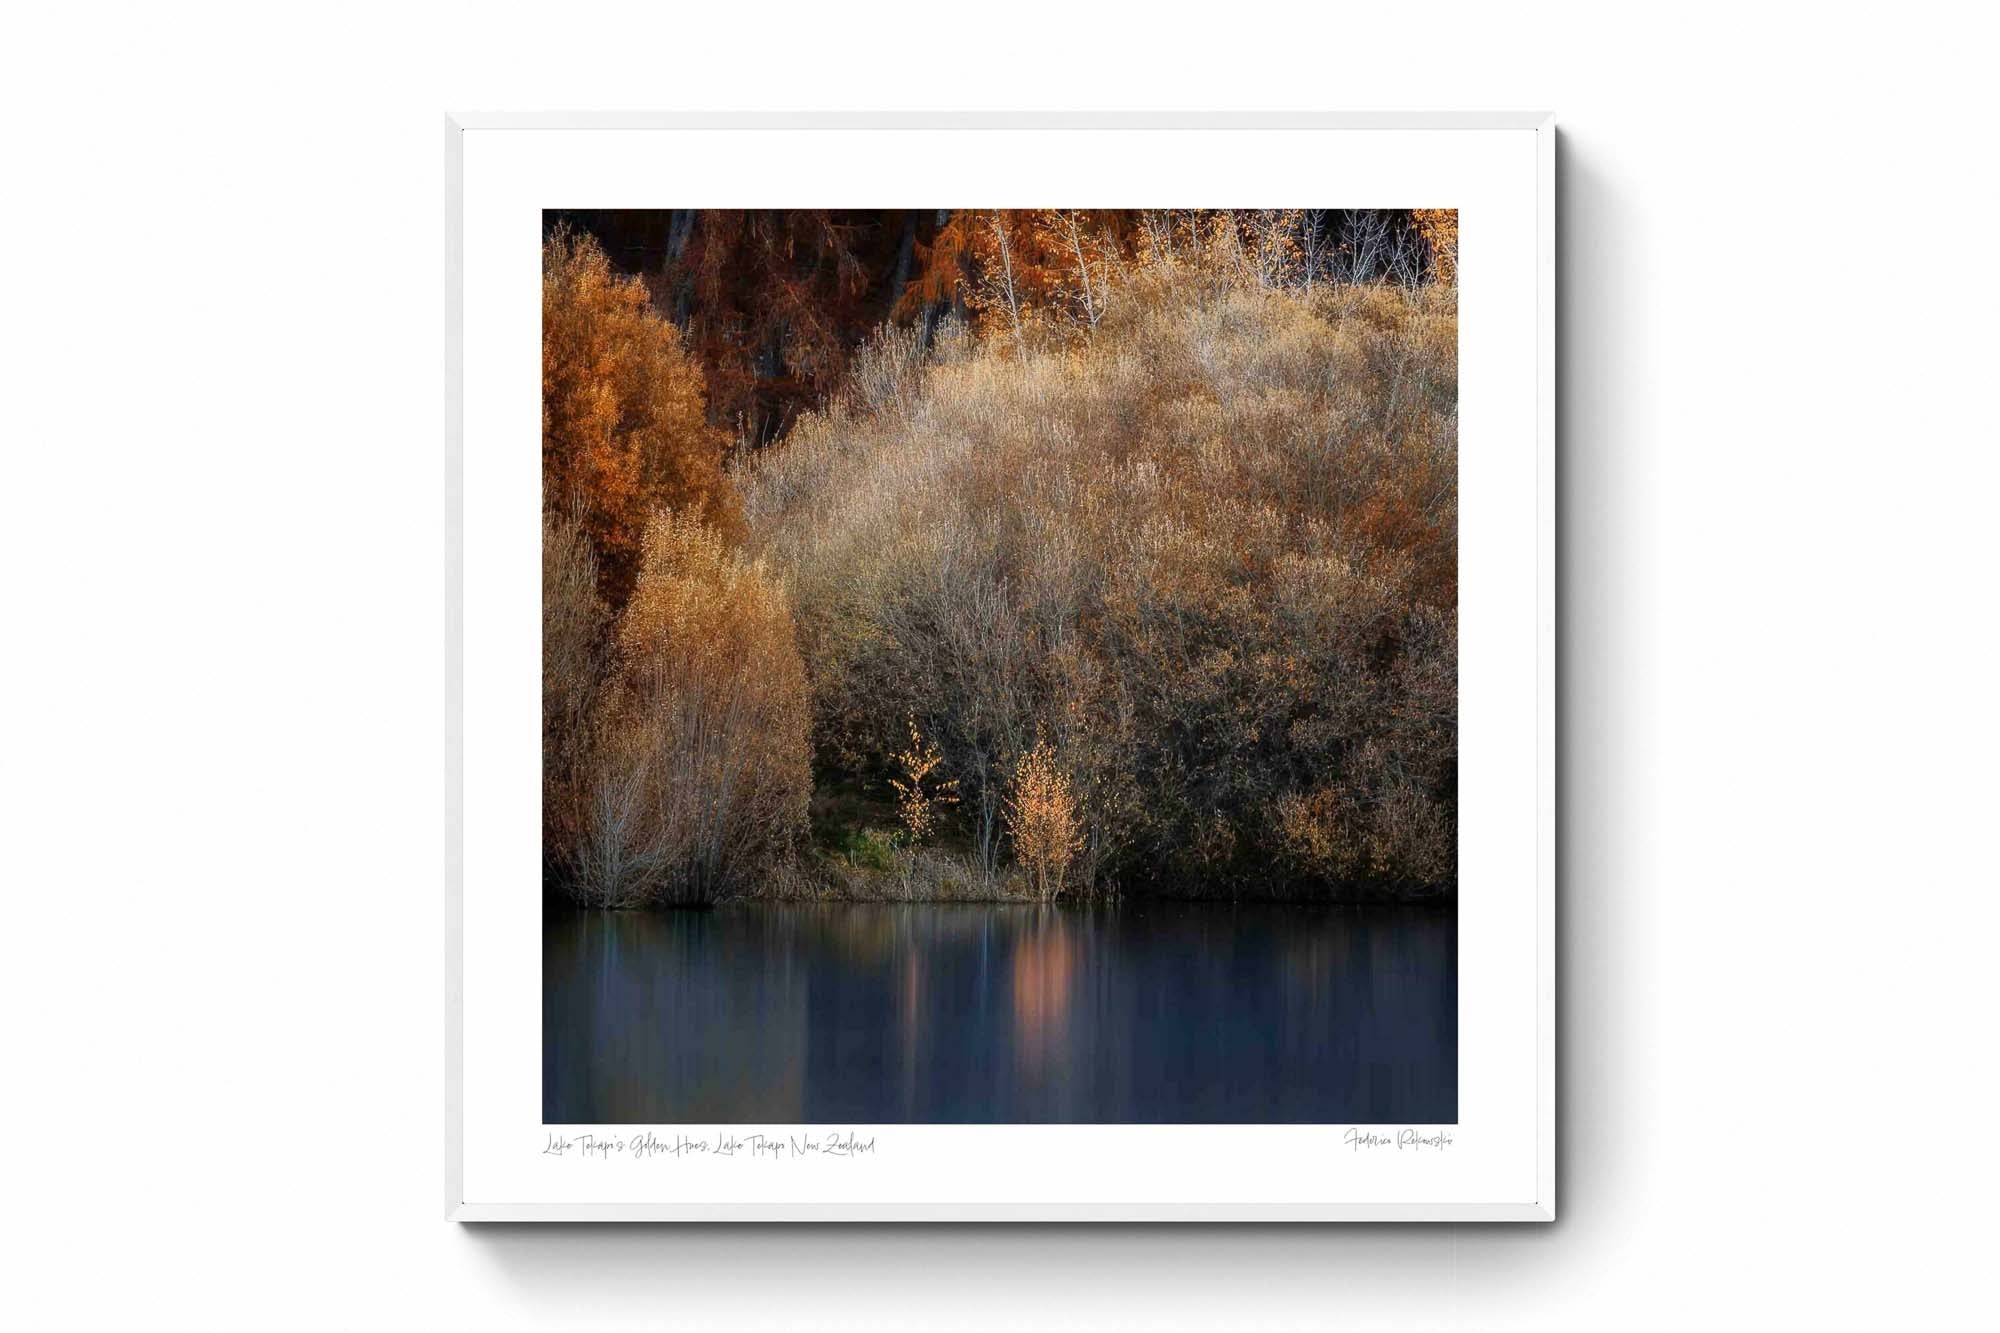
220, 774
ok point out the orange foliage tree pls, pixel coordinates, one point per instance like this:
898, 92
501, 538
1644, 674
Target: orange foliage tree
1439, 228
624, 420
1020, 270
774, 300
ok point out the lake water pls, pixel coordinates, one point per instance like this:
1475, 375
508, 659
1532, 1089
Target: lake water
866, 1014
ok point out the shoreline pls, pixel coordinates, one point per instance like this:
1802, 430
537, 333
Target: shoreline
556, 901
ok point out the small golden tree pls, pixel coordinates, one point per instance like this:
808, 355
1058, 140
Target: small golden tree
919, 808
1042, 818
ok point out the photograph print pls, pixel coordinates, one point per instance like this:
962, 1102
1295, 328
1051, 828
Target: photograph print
1000, 666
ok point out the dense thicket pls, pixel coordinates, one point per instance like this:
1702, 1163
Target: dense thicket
679, 771
674, 746
773, 302
1206, 551
1122, 551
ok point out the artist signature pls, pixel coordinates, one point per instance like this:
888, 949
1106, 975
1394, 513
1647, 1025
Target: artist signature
1402, 1140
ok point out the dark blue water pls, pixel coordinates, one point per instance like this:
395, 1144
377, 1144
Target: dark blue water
867, 1014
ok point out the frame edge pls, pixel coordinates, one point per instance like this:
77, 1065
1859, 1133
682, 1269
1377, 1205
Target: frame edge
454, 662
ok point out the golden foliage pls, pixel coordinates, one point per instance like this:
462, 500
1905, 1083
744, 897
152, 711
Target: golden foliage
1208, 551
701, 779
1166, 561
624, 425
576, 670
1439, 228
1027, 275
920, 808
1042, 818
1023, 273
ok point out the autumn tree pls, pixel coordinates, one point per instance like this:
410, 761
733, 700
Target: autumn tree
1439, 228
775, 300
1019, 272
624, 422
699, 777
1042, 818
938, 279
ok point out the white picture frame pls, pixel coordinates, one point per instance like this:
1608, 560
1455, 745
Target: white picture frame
1499, 170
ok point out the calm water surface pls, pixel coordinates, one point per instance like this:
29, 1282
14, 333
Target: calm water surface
865, 1014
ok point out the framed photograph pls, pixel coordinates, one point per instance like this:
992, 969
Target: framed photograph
1017, 682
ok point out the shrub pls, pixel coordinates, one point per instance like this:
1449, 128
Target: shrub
576, 670
700, 779
869, 849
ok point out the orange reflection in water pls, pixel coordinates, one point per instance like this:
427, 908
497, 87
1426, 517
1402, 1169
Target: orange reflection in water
1044, 968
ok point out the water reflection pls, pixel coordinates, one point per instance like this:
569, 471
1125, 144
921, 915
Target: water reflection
1044, 967
951, 1013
